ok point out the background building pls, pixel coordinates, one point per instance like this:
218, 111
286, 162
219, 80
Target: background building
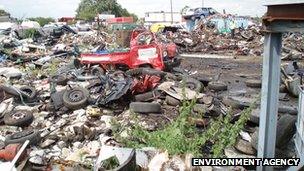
162, 17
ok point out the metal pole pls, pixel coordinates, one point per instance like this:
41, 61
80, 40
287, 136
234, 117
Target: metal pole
14, 161
269, 97
203, 3
171, 11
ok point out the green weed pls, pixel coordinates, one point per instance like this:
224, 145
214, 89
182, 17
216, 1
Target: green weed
181, 137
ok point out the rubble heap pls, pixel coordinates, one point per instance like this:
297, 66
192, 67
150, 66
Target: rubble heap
69, 112
247, 42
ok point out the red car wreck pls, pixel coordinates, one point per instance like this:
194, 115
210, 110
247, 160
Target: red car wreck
145, 51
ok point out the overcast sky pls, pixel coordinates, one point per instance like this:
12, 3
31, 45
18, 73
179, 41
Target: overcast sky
59, 8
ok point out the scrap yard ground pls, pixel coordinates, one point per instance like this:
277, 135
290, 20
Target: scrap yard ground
235, 70
117, 93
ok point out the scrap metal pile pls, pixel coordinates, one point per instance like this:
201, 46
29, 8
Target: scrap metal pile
205, 38
66, 108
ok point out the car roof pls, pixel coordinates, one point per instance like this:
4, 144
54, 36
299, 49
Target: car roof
204, 8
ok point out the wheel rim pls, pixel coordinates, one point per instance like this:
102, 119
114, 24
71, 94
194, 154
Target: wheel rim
76, 95
191, 86
18, 115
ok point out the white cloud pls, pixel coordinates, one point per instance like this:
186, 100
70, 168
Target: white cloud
59, 8
44, 8
244, 7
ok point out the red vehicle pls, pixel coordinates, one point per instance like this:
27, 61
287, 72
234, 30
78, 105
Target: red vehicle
145, 50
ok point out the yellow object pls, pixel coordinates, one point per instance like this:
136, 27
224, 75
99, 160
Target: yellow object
157, 27
93, 112
233, 25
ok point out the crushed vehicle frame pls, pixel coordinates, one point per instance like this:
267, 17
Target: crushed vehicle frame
145, 50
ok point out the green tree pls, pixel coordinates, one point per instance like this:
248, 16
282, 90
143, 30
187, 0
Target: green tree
88, 9
42, 20
184, 9
3, 13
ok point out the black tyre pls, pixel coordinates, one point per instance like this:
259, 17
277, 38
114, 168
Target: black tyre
235, 103
147, 96
193, 84
19, 118
59, 79
254, 83
217, 86
75, 98
172, 101
286, 128
28, 92
204, 80
20, 137
97, 71
142, 107
254, 143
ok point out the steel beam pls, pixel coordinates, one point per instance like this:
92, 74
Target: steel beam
285, 26
269, 97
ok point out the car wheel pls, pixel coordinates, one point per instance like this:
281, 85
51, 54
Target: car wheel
142, 107
29, 92
217, 86
147, 96
19, 118
193, 84
254, 83
20, 137
172, 101
59, 79
75, 98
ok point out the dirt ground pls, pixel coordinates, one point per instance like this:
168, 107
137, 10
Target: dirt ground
234, 71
